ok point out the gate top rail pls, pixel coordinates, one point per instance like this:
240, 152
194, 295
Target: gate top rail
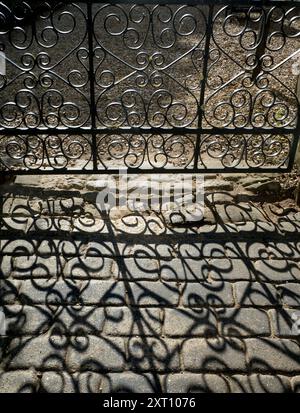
257, 3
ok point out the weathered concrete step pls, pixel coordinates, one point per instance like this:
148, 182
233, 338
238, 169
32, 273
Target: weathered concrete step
217, 294
91, 382
192, 269
164, 249
80, 320
152, 354
135, 225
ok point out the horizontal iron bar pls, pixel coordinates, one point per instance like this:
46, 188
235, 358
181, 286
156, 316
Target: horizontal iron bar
149, 131
135, 171
196, 2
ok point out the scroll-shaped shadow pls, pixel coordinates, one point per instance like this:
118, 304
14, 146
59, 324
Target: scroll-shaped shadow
130, 304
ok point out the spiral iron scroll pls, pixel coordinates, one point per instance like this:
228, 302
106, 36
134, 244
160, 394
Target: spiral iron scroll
46, 83
234, 98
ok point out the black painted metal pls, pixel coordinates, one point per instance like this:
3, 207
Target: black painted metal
93, 87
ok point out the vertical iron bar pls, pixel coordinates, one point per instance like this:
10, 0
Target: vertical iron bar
296, 140
260, 51
296, 134
203, 82
92, 81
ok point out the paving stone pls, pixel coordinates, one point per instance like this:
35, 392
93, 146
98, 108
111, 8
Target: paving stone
124, 321
186, 322
9, 290
57, 382
284, 250
266, 355
243, 250
66, 206
184, 269
285, 322
258, 383
214, 355
183, 214
78, 320
245, 322
45, 248
6, 266
85, 223
153, 354
37, 267
196, 383
50, 224
88, 268
103, 292
240, 212
211, 176
6, 205
273, 187
278, 270
257, 250
18, 381
288, 227
234, 177
68, 248
162, 250
253, 228
129, 382
49, 292
215, 294
4, 343
136, 269
73, 183
218, 185
148, 293
296, 384
24, 207
42, 352
231, 269
219, 198
199, 250
217, 229
97, 185
253, 179
290, 294
89, 382
255, 294
31, 180
16, 247
247, 250
12, 223
96, 354
27, 319
213, 250
102, 249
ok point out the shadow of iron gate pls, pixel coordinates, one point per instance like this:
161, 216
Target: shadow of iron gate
204, 86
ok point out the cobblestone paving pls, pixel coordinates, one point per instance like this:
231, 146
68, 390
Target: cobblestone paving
100, 305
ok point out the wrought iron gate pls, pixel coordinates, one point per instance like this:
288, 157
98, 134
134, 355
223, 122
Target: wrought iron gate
91, 87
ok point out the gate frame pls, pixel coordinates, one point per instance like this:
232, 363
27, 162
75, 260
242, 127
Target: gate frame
94, 130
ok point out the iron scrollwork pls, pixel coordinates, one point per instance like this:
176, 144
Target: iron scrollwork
93, 87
